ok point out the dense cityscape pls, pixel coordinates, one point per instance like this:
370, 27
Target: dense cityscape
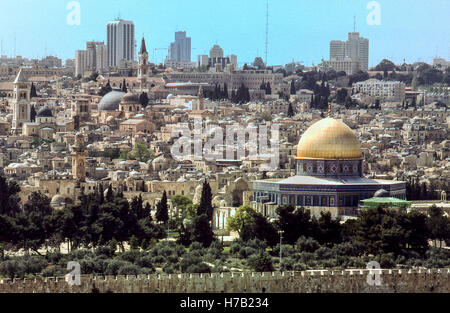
128, 166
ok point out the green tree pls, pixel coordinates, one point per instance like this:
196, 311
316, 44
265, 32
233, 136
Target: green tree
385, 65
33, 93
293, 89
261, 262
205, 206
242, 222
124, 86
264, 230
294, 222
162, 211
327, 229
290, 110
143, 99
9, 199
438, 225
202, 231
141, 152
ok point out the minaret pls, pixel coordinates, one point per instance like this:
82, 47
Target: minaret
143, 65
200, 105
21, 103
79, 159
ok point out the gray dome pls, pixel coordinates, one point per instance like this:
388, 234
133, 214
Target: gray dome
44, 112
111, 101
130, 98
381, 194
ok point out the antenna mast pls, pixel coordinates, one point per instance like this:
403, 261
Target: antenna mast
267, 31
354, 23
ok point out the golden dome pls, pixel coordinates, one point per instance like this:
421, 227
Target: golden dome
329, 139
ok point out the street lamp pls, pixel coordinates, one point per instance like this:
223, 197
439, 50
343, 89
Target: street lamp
281, 232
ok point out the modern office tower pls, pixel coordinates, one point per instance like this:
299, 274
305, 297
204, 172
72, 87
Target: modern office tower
120, 42
80, 62
91, 51
337, 50
180, 49
233, 60
202, 60
355, 49
101, 54
216, 52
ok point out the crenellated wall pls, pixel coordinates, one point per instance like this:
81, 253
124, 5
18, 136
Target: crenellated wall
354, 281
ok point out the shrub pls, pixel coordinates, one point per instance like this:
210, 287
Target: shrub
145, 261
305, 257
53, 271
257, 244
261, 262
286, 251
307, 244
54, 257
235, 247
108, 251
189, 260
287, 264
12, 269
147, 271
159, 259
129, 269
168, 268
300, 266
246, 252
87, 266
198, 268
80, 254
113, 267
130, 256
100, 265
387, 260
324, 253
196, 246
34, 264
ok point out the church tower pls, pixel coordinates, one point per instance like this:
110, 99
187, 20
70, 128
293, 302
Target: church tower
79, 159
144, 66
21, 103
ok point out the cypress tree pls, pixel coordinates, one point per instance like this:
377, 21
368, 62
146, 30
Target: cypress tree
290, 110
205, 206
162, 211
293, 89
124, 86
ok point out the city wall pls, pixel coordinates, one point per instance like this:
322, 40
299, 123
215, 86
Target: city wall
354, 281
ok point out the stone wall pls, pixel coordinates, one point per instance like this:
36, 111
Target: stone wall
354, 281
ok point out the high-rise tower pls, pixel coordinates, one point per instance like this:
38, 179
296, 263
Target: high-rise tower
120, 44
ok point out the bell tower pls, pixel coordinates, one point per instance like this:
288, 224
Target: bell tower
144, 66
21, 103
79, 159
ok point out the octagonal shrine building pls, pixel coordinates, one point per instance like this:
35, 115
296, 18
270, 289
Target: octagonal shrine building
329, 175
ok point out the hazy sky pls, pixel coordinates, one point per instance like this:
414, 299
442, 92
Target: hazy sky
299, 30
